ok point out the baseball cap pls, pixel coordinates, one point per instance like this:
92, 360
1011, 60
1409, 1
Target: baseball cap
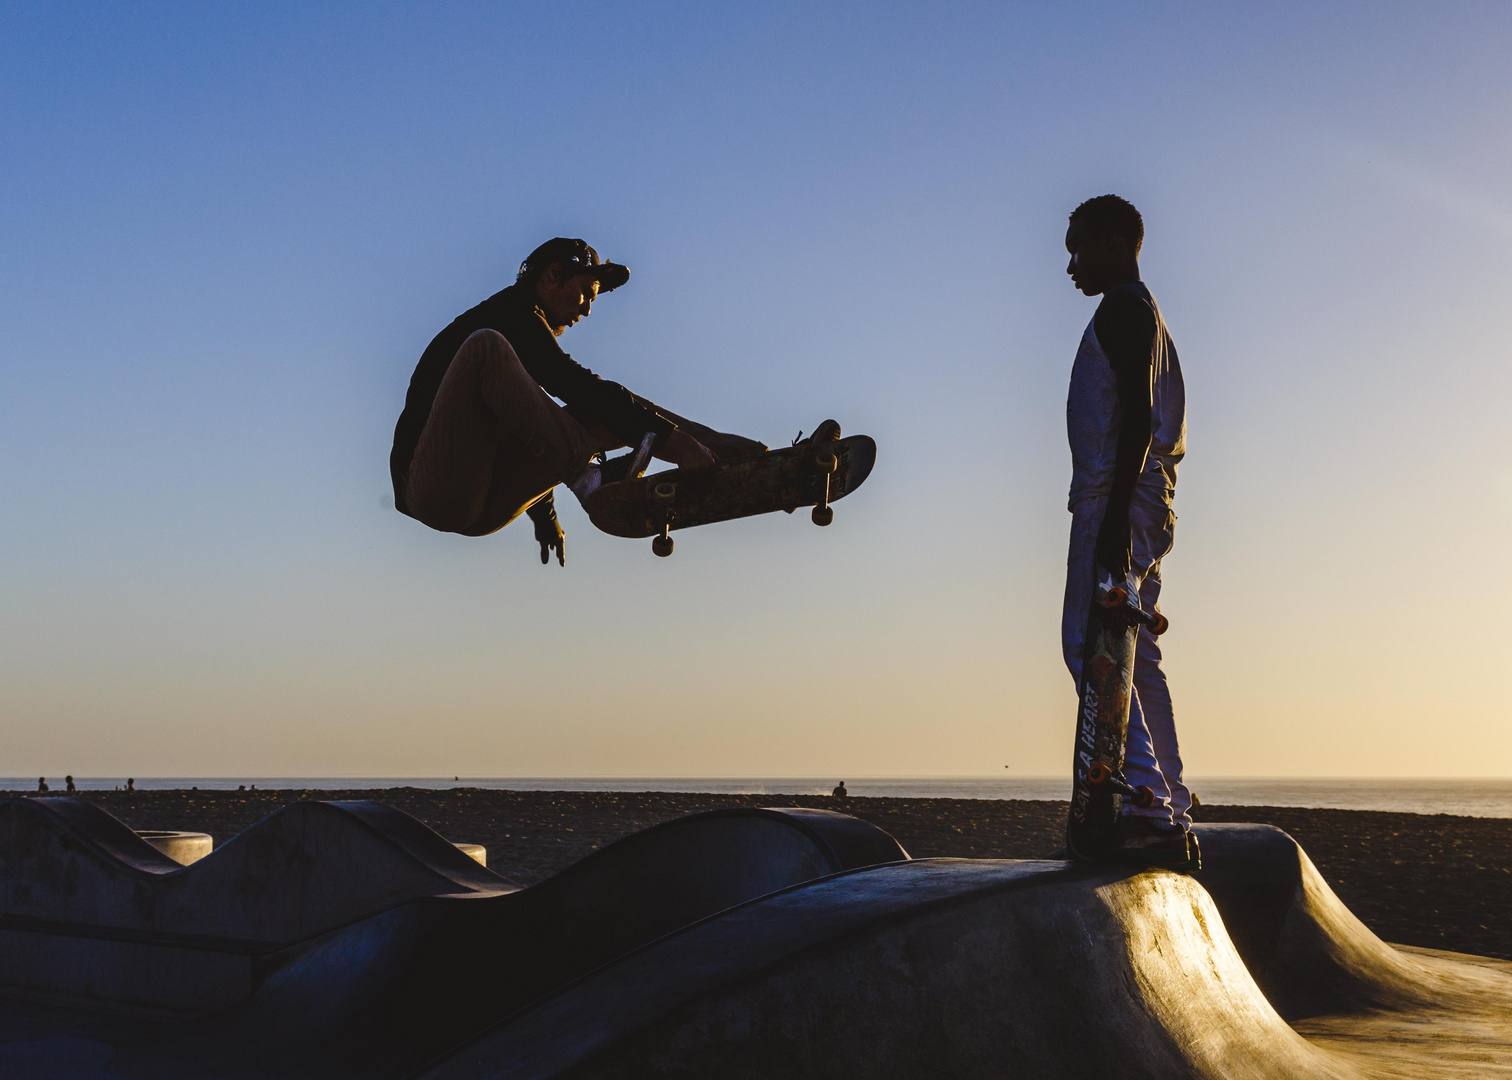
577, 258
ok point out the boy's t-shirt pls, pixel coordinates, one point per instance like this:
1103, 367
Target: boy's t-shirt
1127, 329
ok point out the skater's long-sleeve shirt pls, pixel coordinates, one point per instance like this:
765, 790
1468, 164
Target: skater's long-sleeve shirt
513, 313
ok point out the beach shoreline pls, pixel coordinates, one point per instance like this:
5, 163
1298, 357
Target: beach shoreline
1431, 880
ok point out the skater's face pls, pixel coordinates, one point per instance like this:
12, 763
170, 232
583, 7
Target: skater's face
565, 300
1099, 259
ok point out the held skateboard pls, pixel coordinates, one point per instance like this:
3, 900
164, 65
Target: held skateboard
811, 473
1098, 787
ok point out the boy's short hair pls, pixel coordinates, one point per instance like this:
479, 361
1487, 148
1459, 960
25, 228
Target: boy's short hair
1111, 214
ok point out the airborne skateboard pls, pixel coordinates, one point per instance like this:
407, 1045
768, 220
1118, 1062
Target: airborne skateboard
815, 472
1098, 787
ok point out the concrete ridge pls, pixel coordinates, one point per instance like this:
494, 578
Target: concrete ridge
776, 943
977, 968
92, 911
936, 967
306, 868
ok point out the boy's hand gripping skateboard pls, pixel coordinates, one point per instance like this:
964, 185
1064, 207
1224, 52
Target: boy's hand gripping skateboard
1102, 720
815, 472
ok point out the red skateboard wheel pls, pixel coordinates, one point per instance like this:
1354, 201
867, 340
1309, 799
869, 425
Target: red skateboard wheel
1144, 797
1098, 773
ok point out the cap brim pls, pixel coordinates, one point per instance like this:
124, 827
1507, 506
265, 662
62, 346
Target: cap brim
610, 275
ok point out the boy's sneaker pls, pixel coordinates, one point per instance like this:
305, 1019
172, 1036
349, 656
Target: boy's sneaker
827, 431
1146, 841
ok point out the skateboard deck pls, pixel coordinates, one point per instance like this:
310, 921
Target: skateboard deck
807, 474
1098, 787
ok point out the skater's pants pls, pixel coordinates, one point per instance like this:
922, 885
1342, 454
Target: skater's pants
1152, 755
494, 443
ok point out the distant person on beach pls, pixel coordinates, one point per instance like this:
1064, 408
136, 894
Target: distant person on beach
42, 785
69, 784
481, 441
840, 791
1126, 420
130, 784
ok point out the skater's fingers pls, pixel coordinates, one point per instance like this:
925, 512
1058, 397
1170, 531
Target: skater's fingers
545, 553
561, 551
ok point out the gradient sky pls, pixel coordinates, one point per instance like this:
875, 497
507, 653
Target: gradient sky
228, 231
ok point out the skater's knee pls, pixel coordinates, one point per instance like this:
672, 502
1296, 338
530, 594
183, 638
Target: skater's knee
488, 344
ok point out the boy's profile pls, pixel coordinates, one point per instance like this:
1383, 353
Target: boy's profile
1126, 421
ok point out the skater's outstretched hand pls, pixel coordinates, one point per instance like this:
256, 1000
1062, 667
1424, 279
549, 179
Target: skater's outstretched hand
548, 532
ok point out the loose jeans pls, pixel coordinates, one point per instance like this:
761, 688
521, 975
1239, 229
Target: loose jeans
494, 443
1151, 755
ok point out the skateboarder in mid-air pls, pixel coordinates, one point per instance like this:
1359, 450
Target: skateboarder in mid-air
1126, 419
481, 441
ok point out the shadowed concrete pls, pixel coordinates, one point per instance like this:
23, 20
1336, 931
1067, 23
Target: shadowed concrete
805, 944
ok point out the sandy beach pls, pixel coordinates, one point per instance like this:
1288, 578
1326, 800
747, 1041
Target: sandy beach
1438, 881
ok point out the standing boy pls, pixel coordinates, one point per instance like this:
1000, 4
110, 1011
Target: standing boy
1126, 420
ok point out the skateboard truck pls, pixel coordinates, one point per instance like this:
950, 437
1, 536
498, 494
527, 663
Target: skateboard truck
1142, 796
827, 462
664, 493
1119, 597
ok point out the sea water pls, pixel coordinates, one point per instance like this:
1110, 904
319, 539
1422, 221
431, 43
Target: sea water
1473, 798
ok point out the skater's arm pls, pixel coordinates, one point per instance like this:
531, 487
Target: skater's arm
626, 415
723, 444
1125, 327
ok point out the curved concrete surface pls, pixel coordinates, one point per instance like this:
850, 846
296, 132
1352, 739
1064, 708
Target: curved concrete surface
182, 847
770, 943
983, 969
93, 912
476, 852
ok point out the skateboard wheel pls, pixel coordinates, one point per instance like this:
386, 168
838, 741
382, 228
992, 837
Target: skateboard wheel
1144, 797
1098, 773
823, 515
662, 545
665, 492
827, 461
1114, 597
1162, 624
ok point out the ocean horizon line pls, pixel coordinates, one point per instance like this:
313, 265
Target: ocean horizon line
1463, 796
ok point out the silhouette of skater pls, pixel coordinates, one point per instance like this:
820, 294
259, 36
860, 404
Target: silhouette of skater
481, 441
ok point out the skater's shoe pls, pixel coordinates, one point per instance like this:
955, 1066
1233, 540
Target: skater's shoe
827, 431
1146, 841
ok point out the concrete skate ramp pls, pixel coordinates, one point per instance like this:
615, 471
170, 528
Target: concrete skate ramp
749, 944
306, 868
976, 968
946, 968
341, 896
1306, 950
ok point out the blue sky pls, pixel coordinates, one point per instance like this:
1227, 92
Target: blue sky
229, 232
